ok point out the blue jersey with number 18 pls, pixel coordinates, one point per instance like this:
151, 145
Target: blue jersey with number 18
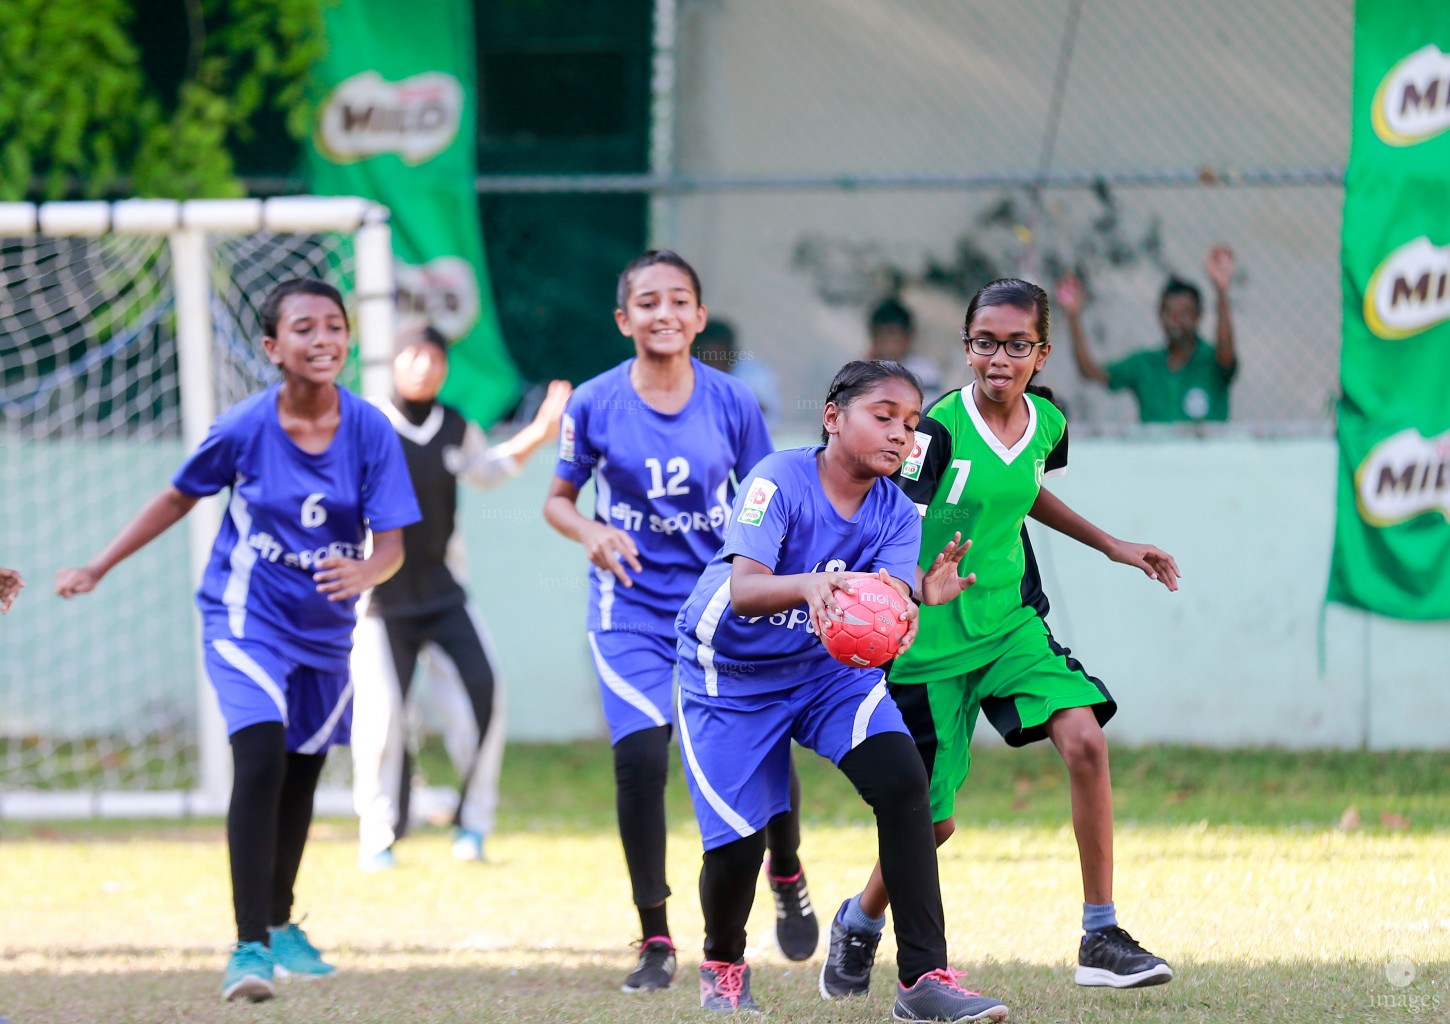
783, 520
288, 510
663, 478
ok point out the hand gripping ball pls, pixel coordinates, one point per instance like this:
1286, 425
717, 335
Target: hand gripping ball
868, 632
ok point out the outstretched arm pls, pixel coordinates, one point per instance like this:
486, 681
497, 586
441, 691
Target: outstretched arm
1070, 297
10, 584
156, 517
1050, 511
1220, 267
485, 465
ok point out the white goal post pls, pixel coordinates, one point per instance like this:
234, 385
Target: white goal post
125, 327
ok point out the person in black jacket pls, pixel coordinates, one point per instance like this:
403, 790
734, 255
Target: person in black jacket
424, 612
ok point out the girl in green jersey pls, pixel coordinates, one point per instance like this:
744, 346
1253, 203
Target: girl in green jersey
980, 459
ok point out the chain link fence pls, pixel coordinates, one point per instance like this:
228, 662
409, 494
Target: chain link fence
815, 157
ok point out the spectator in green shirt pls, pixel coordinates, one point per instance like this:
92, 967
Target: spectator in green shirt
1186, 381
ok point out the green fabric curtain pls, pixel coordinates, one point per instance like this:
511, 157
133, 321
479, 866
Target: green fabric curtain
396, 123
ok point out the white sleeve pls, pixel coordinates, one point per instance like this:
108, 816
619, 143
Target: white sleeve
480, 465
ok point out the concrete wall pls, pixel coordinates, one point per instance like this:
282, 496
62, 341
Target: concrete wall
1233, 658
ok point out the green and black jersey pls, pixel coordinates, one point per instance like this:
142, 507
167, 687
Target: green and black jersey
964, 479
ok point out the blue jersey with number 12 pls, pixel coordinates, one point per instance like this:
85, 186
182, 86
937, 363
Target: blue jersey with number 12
288, 510
663, 478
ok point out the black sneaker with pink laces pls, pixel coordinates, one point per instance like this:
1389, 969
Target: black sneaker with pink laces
656, 967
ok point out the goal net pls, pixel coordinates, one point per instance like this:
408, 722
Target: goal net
124, 328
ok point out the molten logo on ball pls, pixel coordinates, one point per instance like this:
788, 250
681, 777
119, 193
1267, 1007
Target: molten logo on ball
868, 632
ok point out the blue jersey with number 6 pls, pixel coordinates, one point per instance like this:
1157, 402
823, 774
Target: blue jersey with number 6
288, 510
663, 478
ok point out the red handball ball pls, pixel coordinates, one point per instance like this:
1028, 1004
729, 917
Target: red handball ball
868, 632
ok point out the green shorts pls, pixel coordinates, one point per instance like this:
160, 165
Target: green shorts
1031, 678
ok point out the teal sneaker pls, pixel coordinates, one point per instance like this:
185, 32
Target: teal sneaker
383, 860
467, 845
295, 956
249, 973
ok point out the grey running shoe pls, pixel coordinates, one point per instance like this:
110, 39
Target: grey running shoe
725, 988
847, 970
938, 995
656, 967
1111, 957
797, 929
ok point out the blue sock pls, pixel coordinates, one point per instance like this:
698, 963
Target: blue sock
1098, 916
857, 920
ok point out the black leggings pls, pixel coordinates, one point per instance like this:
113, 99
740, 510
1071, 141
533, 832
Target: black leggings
454, 632
267, 824
888, 773
641, 769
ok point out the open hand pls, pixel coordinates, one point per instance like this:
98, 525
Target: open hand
820, 595
10, 584
943, 582
70, 582
612, 549
910, 615
1070, 294
1156, 564
546, 420
1220, 266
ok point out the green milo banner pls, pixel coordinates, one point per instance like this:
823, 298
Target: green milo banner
1392, 532
396, 123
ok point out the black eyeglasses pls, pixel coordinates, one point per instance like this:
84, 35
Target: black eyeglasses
1017, 348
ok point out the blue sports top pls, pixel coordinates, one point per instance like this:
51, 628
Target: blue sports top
288, 510
664, 478
783, 520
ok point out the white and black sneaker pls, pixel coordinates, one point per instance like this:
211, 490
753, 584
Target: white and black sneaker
1113, 958
796, 928
656, 967
847, 970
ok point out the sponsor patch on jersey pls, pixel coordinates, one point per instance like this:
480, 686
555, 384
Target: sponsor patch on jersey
566, 439
752, 512
911, 468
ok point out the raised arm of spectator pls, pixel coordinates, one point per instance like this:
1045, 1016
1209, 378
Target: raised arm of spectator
1070, 296
1220, 267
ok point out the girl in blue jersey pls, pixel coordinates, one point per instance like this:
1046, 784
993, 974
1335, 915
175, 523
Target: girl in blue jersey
311, 469
664, 436
754, 676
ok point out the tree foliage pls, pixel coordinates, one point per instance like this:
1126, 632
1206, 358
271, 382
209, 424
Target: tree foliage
78, 116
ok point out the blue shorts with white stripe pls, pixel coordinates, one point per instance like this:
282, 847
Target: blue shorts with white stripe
255, 684
736, 749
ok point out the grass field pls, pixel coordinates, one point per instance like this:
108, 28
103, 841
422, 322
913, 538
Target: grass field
1283, 887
